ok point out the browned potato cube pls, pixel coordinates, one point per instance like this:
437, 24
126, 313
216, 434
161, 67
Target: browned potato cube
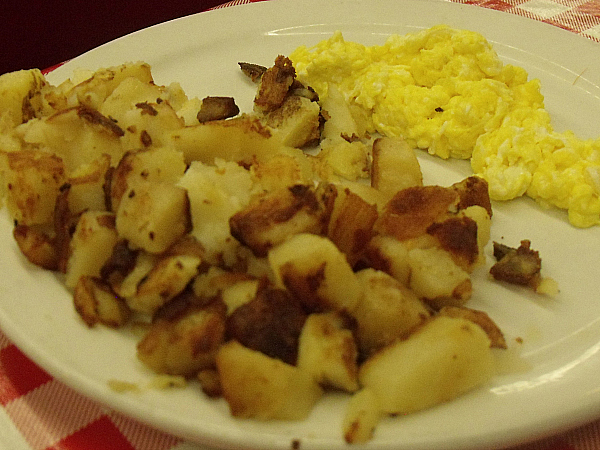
327, 350
437, 279
273, 217
153, 216
184, 340
440, 361
271, 324
97, 303
32, 179
387, 311
91, 245
395, 166
264, 388
37, 246
316, 272
167, 278
351, 224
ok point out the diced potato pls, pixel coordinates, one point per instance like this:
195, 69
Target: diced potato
186, 343
340, 122
316, 272
152, 165
442, 360
91, 245
296, 123
241, 140
387, 311
153, 216
328, 352
167, 278
395, 166
412, 210
20, 95
86, 190
37, 246
270, 323
239, 293
361, 418
77, 135
96, 303
479, 318
94, 90
139, 109
287, 168
389, 255
484, 223
351, 223
437, 279
457, 235
340, 159
32, 179
216, 193
273, 217
257, 386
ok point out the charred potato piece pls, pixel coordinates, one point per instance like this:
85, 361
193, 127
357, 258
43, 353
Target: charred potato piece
458, 236
274, 85
296, 123
186, 340
217, 108
520, 266
277, 215
264, 388
389, 255
271, 324
411, 211
351, 224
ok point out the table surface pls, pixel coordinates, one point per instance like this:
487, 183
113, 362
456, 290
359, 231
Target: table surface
38, 412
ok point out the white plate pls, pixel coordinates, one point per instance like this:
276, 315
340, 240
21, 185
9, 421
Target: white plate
560, 387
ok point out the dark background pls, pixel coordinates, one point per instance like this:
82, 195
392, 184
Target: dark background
41, 34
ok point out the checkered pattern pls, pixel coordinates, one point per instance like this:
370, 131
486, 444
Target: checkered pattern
579, 16
49, 416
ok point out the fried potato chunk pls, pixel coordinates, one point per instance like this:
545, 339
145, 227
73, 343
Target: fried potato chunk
264, 388
437, 279
316, 272
443, 359
32, 179
395, 166
386, 311
184, 338
153, 216
97, 303
274, 85
91, 245
271, 324
328, 351
275, 216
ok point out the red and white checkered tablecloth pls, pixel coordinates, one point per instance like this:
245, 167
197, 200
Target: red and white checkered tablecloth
37, 412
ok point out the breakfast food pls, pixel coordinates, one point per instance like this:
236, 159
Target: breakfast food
447, 92
269, 274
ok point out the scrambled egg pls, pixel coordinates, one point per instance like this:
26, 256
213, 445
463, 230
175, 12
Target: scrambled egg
447, 92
